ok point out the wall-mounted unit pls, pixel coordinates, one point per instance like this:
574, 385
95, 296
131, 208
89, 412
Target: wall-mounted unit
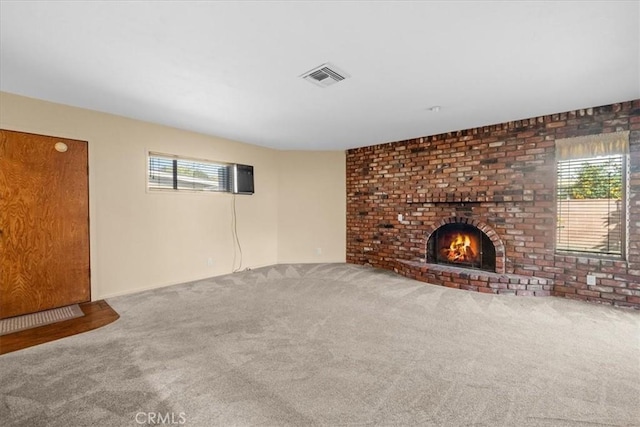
241, 179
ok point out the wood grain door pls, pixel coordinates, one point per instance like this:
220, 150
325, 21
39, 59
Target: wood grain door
44, 223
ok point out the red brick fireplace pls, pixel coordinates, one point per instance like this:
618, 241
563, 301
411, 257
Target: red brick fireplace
499, 180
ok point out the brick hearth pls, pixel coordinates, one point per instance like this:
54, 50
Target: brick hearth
474, 280
501, 178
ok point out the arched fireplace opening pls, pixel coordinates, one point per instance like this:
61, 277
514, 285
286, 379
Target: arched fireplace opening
462, 245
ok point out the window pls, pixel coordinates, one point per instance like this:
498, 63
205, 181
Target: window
590, 194
167, 172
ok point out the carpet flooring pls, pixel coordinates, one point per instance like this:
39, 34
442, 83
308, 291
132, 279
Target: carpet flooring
332, 345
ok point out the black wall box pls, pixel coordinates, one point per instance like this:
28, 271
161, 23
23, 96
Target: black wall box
242, 179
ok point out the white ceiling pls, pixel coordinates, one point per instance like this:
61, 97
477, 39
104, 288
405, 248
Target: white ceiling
231, 69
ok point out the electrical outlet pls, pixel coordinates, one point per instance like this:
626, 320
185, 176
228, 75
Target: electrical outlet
210, 262
591, 280
400, 217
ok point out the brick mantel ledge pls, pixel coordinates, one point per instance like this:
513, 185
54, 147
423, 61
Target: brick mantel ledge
474, 280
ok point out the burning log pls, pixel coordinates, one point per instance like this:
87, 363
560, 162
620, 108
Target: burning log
459, 250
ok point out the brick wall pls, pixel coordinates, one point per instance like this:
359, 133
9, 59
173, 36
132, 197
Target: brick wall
502, 176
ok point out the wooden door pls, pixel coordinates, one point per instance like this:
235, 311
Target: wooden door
44, 223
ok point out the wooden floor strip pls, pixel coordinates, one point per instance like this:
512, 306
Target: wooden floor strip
96, 315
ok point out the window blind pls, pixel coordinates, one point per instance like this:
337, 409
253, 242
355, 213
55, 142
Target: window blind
161, 172
590, 205
172, 172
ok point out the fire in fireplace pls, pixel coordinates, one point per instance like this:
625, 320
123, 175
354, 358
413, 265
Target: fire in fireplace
463, 245
463, 248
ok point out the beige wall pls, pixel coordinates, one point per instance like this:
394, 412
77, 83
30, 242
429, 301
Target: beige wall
142, 240
312, 206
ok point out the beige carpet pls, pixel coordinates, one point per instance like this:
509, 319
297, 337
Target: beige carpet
41, 318
333, 345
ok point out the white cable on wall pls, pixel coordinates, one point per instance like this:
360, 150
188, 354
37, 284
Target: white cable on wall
236, 240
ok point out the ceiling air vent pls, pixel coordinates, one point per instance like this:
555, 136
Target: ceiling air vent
325, 75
